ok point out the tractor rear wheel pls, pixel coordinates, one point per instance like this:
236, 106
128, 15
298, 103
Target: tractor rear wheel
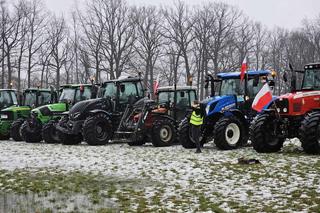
15, 129
230, 133
50, 133
163, 133
68, 139
264, 138
97, 130
31, 133
185, 135
309, 133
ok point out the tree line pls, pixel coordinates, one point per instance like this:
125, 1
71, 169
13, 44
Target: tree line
105, 39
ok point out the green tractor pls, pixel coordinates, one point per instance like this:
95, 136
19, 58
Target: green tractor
16, 115
41, 125
8, 98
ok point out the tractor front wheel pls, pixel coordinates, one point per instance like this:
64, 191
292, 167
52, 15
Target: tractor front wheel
264, 136
97, 130
15, 129
31, 131
163, 133
309, 133
185, 135
230, 133
49, 133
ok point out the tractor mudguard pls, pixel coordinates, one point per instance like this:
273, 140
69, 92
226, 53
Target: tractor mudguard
97, 111
240, 115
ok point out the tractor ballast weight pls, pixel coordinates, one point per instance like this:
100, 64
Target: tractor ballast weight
295, 114
14, 116
42, 120
227, 112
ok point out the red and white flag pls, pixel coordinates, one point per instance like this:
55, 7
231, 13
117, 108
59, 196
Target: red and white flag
243, 68
156, 84
263, 98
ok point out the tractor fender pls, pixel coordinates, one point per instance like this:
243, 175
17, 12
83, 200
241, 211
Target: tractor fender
98, 111
240, 115
214, 117
164, 116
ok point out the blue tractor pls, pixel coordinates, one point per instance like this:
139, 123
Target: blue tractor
227, 112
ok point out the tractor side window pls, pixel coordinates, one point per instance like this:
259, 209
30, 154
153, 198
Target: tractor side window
182, 99
163, 97
253, 90
128, 92
311, 79
85, 95
140, 89
44, 98
192, 97
14, 98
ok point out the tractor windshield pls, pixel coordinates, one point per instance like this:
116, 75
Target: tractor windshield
30, 98
85, 94
67, 95
231, 87
128, 91
184, 98
7, 98
311, 79
110, 90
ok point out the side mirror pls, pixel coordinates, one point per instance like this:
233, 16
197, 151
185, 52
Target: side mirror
285, 77
206, 86
271, 83
182, 94
38, 93
256, 81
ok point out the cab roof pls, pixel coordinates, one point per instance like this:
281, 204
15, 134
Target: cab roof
13, 90
75, 85
237, 74
36, 89
127, 79
312, 65
179, 88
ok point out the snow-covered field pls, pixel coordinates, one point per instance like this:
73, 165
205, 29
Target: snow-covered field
57, 178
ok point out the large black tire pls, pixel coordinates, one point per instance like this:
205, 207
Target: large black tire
50, 133
97, 130
263, 137
68, 139
4, 137
163, 133
230, 133
15, 129
31, 135
310, 133
185, 135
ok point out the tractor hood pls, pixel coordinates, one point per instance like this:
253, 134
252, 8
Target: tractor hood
220, 103
82, 109
48, 110
16, 109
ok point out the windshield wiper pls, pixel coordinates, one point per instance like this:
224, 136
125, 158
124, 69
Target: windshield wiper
308, 88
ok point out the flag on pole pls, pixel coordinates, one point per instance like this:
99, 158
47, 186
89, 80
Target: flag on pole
156, 84
243, 68
263, 98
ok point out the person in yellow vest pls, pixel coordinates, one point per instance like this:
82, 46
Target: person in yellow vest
196, 121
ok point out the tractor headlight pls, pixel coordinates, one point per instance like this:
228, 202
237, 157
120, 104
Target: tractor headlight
76, 115
285, 110
3, 116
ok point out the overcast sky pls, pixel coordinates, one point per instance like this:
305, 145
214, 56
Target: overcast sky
283, 13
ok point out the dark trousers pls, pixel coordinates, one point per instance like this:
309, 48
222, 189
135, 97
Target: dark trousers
195, 134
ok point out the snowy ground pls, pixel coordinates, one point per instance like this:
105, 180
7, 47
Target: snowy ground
57, 178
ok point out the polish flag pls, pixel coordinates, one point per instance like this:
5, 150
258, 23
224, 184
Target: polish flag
156, 84
243, 68
262, 99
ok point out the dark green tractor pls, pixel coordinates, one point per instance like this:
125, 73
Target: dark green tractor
13, 117
8, 98
41, 125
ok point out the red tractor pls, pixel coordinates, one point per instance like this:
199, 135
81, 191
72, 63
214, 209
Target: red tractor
295, 114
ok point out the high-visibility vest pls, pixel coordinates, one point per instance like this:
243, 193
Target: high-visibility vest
195, 119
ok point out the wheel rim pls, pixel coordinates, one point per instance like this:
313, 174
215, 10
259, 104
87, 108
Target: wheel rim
165, 133
232, 134
272, 139
101, 131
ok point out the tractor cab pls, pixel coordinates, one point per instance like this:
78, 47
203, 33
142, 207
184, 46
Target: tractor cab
8, 97
34, 97
72, 94
185, 95
122, 92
